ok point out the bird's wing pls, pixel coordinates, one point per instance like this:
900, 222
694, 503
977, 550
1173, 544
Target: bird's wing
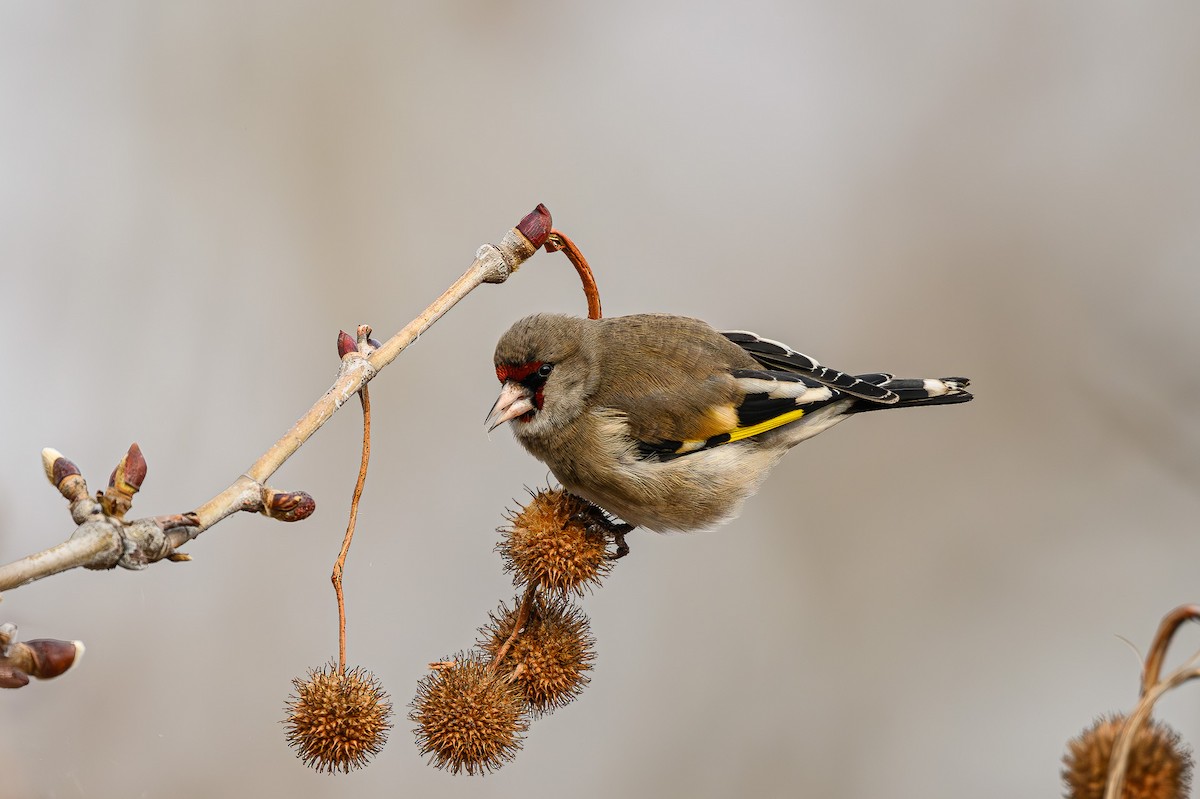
775, 356
681, 386
764, 400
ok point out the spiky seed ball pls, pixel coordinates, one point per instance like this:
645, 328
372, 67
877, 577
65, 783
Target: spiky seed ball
1160, 764
550, 543
468, 719
337, 721
550, 658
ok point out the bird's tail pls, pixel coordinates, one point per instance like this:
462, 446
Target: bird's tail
916, 391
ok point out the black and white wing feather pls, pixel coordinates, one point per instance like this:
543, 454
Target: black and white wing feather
775, 356
768, 399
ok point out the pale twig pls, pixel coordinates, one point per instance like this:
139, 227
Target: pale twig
106, 541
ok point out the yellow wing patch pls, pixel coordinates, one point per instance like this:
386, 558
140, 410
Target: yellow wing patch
738, 433
719, 419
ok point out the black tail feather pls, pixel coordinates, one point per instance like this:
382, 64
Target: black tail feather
916, 391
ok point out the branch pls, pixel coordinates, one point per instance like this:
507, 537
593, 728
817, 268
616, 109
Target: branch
1153, 687
104, 539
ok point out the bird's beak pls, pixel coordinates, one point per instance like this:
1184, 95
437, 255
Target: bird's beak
515, 400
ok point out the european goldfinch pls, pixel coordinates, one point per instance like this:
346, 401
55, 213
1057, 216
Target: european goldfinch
668, 424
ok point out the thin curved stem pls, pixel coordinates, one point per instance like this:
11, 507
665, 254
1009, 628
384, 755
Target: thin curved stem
559, 241
1119, 760
340, 564
522, 620
1153, 687
1162, 639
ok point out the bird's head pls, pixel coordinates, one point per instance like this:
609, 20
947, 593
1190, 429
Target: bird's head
545, 374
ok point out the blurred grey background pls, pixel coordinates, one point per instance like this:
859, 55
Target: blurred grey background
194, 197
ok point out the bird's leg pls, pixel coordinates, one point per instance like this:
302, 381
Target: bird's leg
596, 520
619, 531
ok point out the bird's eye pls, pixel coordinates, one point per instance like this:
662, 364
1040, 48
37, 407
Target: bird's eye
545, 370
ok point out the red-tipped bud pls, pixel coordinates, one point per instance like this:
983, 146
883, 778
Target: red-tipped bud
288, 506
57, 467
44, 658
52, 657
535, 227
346, 344
63, 469
130, 472
124, 482
64, 475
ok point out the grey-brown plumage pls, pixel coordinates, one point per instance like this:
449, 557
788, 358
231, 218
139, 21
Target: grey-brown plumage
667, 423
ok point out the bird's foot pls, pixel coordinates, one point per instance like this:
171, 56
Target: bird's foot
618, 533
595, 520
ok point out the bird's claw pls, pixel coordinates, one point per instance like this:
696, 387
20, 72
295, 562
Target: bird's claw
595, 520
618, 532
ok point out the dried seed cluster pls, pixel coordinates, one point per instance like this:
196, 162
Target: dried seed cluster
550, 659
468, 717
337, 720
1160, 765
472, 712
553, 543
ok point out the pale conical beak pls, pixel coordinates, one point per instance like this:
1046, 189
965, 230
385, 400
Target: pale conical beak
515, 400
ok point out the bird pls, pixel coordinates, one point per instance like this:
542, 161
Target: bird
668, 424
